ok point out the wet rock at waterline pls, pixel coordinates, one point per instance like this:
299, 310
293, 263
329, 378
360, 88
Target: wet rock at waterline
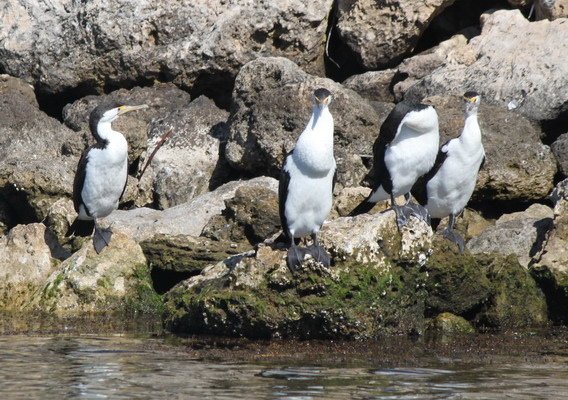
116, 280
272, 103
87, 47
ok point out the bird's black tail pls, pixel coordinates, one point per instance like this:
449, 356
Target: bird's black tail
81, 227
362, 208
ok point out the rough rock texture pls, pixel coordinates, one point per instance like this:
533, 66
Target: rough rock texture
492, 291
116, 280
521, 233
550, 9
513, 62
258, 296
9, 84
560, 150
251, 216
449, 324
525, 171
185, 219
551, 269
381, 33
191, 160
38, 155
26, 262
373, 85
63, 45
161, 98
272, 103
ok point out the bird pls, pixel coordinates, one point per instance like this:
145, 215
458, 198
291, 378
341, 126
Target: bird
405, 149
100, 179
306, 183
446, 189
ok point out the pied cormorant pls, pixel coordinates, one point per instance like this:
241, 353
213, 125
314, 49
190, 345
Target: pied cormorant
405, 150
447, 187
101, 175
306, 183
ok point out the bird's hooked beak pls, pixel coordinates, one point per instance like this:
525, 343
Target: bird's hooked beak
471, 99
323, 102
125, 109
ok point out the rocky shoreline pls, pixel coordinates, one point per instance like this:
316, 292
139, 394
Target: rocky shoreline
196, 235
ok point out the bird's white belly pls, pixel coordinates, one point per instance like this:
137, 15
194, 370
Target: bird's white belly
408, 160
451, 188
308, 202
104, 183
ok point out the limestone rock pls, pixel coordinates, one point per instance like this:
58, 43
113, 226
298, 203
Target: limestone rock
560, 150
272, 103
191, 160
9, 84
381, 33
162, 99
373, 85
116, 280
524, 172
26, 261
522, 234
251, 216
88, 46
550, 9
507, 76
38, 157
185, 219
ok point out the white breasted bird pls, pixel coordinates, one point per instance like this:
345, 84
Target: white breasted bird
405, 150
306, 183
448, 186
101, 175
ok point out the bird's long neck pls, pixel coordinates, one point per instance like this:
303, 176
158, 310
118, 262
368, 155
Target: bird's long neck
471, 134
314, 148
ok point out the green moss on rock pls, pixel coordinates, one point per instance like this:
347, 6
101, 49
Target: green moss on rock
448, 324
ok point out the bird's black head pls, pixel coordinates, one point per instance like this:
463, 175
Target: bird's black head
107, 112
471, 100
322, 97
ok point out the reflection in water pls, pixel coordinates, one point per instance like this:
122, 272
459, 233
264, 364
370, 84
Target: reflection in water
117, 367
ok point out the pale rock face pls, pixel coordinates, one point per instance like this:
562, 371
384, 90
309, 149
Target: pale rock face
66, 44
381, 33
25, 264
516, 64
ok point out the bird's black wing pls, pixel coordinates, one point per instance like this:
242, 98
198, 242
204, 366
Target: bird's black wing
482, 163
283, 195
419, 190
79, 180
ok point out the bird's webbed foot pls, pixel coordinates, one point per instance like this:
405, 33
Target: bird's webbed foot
418, 211
101, 238
453, 236
319, 254
295, 257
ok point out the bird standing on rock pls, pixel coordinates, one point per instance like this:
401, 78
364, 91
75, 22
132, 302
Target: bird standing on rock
448, 186
405, 150
306, 183
101, 175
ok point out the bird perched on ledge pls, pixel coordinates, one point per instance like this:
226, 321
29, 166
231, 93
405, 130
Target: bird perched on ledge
405, 150
306, 183
448, 186
101, 175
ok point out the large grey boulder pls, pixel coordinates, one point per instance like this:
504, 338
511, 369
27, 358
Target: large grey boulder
521, 233
380, 33
518, 167
185, 219
514, 63
38, 155
64, 44
191, 160
272, 103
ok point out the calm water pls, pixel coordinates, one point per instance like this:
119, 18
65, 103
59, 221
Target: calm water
134, 367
